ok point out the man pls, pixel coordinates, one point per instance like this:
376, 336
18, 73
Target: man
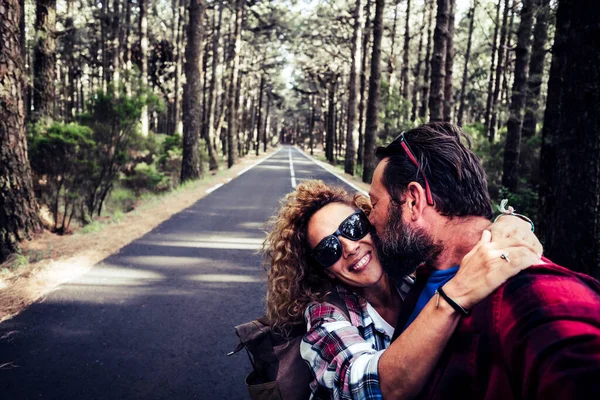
537, 336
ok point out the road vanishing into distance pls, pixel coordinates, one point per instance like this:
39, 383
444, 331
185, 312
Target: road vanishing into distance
156, 319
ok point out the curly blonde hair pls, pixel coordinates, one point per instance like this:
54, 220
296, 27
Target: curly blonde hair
294, 279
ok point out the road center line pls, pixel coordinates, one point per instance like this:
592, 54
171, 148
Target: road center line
292, 175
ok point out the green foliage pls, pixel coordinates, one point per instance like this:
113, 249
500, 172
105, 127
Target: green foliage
121, 200
62, 155
147, 177
170, 156
114, 120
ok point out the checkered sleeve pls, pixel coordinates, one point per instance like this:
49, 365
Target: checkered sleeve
342, 361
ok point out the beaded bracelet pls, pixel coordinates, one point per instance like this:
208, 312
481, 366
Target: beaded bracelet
511, 211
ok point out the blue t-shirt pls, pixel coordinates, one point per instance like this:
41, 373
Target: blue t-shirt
436, 280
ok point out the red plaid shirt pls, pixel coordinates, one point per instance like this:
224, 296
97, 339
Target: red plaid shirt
536, 337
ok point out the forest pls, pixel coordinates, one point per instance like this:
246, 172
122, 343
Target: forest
102, 103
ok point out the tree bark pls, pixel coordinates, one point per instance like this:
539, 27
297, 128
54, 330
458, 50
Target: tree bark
18, 210
438, 62
259, 112
127, 54
417, 71
448, 93
352, 124
265, 134
536, 68
427, 76
191, 163
488, 104
177, 125
144, 57
374, 89
570, 186
116, 48
44, 61
232, 139
463, 85
363, 84
499, 73
405, 59
510, 178
311, 125
213, 164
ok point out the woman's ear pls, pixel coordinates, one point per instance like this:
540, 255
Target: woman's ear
330, 274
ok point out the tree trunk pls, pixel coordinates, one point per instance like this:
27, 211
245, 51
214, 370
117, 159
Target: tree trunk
18, 210
144, 57
352, 124
391, 75
417, 83
463, 85
427, 76
374, 89
507, 60
488, 105
510, 177
536, 68
213, 164
116, 48
330, 137
177, 124
311, 125
363, 85
438, 62
191, 163
499, 74
570, 187
23, 39
406, 52
232, 139
265, 134
127, 54
44, 61
259, 112
448, 97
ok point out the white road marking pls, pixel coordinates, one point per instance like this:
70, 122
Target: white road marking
292, 175
320, 164
212, 189
255, 164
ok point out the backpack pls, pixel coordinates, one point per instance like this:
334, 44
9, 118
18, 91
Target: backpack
278, 370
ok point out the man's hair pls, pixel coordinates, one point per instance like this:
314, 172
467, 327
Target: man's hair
457, 180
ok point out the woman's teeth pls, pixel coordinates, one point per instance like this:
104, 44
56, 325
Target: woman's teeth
361, 263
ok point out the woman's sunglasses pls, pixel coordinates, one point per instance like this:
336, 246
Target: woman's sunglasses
329, 250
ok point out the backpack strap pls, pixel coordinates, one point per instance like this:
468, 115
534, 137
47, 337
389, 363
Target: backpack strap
334, 298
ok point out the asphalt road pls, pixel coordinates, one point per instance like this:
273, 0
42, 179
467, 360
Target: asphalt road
155, 320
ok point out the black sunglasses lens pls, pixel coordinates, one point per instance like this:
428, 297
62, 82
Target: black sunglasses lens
355, 227
328, 251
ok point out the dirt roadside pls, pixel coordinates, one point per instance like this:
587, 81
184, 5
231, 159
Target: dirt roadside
63, 258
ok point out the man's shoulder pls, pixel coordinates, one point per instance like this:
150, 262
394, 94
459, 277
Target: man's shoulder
548, 286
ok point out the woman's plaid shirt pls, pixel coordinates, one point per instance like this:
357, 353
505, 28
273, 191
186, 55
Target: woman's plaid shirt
342, 354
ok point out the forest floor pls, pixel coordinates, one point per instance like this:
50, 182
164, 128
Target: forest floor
55, 259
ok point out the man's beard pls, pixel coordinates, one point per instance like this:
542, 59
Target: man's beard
402, 249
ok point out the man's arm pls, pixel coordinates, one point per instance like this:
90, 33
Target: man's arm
548, 326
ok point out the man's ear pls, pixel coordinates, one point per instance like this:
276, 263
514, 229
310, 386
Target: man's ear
416, 200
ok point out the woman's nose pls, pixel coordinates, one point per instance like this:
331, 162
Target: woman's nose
350, 246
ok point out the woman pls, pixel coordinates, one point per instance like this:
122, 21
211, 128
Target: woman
321, 243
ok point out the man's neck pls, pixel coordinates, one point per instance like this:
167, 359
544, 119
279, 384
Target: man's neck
457, 236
